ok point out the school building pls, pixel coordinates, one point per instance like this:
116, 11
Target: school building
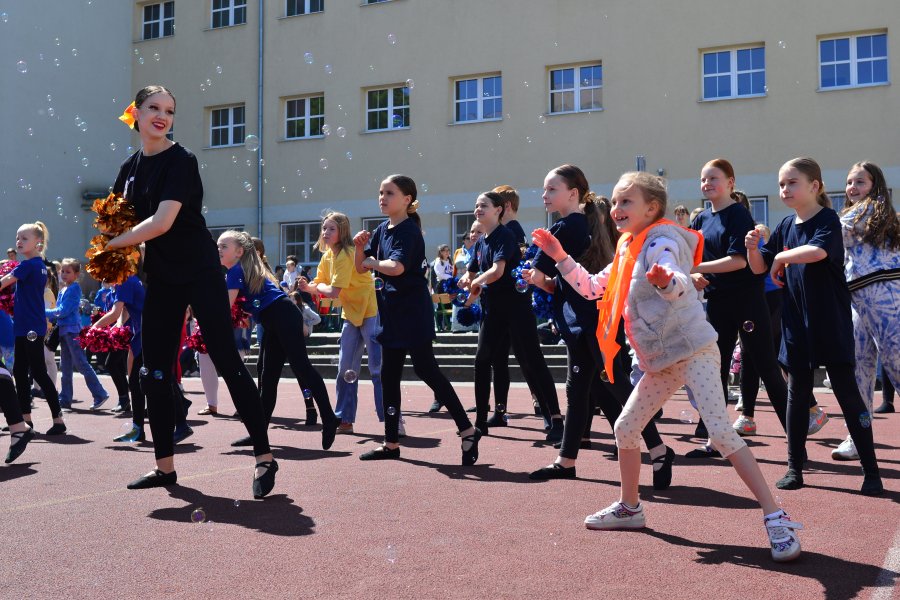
297, 106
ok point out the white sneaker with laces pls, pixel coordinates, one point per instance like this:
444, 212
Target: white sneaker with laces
783, 539
846, 451
817, 420
616, 516
401, 430
744, 426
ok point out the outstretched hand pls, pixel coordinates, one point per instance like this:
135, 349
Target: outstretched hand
361, 239
548, 243
659, 276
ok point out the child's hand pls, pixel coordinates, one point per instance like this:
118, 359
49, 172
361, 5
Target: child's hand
474, 292
361, 239
699, 281
659, 276
463, 282
302, 285
777, 272
528, 276
547, 242
751, 240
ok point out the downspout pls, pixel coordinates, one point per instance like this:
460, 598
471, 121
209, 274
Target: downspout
259, 125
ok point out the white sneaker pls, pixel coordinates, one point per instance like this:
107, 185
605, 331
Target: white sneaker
744, 426
817, 420
783, 538
827, 382
616, 516
740, 405
401, 430
846, 451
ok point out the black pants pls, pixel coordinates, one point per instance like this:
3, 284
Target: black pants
858, 419
30, 359
426, 368
163, 320
585, 361
514, 324
732, 315
117, 365
138, 401
501, 376
9, 404
284, 340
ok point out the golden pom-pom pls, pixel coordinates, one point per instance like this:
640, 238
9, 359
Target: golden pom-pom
115, 214
113, 266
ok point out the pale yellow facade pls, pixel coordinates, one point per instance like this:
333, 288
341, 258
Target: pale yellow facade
652, 59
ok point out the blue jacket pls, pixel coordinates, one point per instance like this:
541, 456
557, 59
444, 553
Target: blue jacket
66, 313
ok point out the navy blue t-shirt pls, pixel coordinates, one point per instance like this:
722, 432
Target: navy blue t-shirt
499, 245
405, 312
256, 303
28, 303
131, 293
571, 311
816, 324
517, 231
723, 235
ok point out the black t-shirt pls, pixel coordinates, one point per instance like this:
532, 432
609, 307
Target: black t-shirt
723, 235
816, 323
187, 248
517, 231
571, 311
499, 245
405, 312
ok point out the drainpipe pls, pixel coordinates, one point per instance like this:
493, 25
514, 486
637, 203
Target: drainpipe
259, 125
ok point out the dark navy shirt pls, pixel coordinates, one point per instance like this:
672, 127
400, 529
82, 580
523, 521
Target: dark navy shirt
517, 231
28, 303
499, 245
131, 293
723, 235
816, 325
256, 303
571, 311
405, 311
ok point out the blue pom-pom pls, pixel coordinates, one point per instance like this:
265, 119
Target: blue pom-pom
542, 304
531, 251
461, 297
450, 286
469, 315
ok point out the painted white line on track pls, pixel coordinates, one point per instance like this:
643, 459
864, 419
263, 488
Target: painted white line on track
885, 582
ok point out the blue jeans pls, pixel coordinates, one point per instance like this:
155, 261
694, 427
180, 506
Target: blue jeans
71, 355
353, 340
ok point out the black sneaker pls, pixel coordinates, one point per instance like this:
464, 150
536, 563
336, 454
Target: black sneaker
700, 431
182, 432
122, 407
435, 407
556, 431
554, 471
381, 453
498, 420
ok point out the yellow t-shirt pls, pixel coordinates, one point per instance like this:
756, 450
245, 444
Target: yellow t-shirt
357, 289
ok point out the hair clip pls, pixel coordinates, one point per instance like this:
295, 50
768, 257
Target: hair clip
127, 117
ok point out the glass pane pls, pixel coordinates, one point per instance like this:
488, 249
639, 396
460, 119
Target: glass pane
864, 72
568, 100
294, 108
372, 121
238, 135
842, 74
759, 82
316, 5
556, 102
169, 10
401, 96
879, 45
219, 19
826, 51
827, 76
864, 46
295, 128
240, 15
724, 86
317, 105
382, 119
470, 110
378, 99
724, 62
492, 109
709, 63
590, 76
556, 79
168, 27
291, 8
461, 115
744, 84
758, 58
215, 137
842, 49
879, 71
743, 60
569, 78
709, 88
315, 125
238, 115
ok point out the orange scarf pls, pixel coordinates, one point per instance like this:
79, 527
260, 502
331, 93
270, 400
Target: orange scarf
612, 305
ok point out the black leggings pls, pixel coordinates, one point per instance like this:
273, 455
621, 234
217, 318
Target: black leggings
138, 401
283, 323
858, 419
30, 359
9, 404
584, 388
733, 314
511, 323
117, 365
426, 368
163, 321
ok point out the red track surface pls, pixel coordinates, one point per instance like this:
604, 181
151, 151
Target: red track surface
424, 527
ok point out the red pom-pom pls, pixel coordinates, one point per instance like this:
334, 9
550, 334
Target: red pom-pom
195, 342
240, 318
7, 294
94, 340
119, 338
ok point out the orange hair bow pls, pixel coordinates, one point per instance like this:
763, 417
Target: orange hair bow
128, 116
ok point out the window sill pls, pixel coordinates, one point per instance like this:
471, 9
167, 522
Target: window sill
745, 97
474, 122
286, 17
387, 130
301, 139
364, 4
142, 40
223, 147
225, 27
572, 112
838, 88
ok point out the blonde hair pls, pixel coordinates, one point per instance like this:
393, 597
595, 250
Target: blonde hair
43, 234
345, 238
652, 186
74, 263
255, 271
811, 169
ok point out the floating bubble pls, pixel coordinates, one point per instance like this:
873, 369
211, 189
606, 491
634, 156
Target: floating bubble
522, 286
4, 17
781, 44
604, 376
76, 219
391, 550
74, 51
304, 193
156, 56
140, 60
328, 69
256, 303
424, 187
748, 326
326, 129
410, 83
307, 393
202, 87
202, 165
78, 179
391, 410
308, 58
299, 173
449, 208
779, 501
237, 503
687, 416
283, 190
310, 190
251, 142
219, 69
341, 132
379, 284
144, 371
22, 66
85, 162
198, 516
248, 187
262, 162
392, 39
323, 163
31, 336
158, 375
56, 62
234, 159
136, 51
59, 200
29, 131
249, 162
542, 118
204, 210
209, 82
349, 155
112, 147
576, 369
525, 83
528, 139
397, 121
350, 376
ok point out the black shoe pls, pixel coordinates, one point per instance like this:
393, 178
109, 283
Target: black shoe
470, 456
120, 407
435, 407
658, 415
38, 393
263, 484
187, 407
154, 479
556, 431
312, 417
554, 471
244, 441
497, 420
20, 441
381, 453
662, 478
57, 429
871, 486
329, 430
886, 407
483, 427
792, 480
473, 409
182, 432
700, 431
583, 445
704, 452
537, 409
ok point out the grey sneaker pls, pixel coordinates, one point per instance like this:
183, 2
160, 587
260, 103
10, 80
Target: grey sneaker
616, 516
817, 420
783, 537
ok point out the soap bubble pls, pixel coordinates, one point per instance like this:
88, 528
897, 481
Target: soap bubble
85, 162
249, 162
391, 410
198, 516
74, 51
449, 208
256, 303
144, 371
60, 211
391, 551
59, 200
392, 39
687, 416
424, 187
30, 131
350, 376
528, 139
202, 165
410, 83
56, 62
76, 219
304, 193
251, 142
576, 369
31, 336
158, 375
604, 376
202, 87
204, 210
521, 286
748, 326
525, 83
542, 118
112, 147
323, 163
781, 44
326, 129
4, 17
379, 284
341, 132
307, 393
329, 69
308, 58
262, 162
156, 56
349, 155
22, 66
78, 179
219, 69
248, 187
141, 60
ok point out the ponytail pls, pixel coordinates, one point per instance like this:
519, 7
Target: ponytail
823, 198
813, 172
41, 232
407, 187
601, 250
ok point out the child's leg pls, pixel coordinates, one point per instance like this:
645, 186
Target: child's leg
210, 379
80, 362
138, 400
65, 367
426, 367
270, 367
800, 386
369, 331
349, 359
856, 414
391, 373
35, 352
866, 359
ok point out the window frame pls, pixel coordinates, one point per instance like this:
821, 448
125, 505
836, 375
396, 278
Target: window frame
762, 200
370, 223
307, 118
231, 11
389, 109
576, 89
313, 230
231, 126
456, 232
734, 72
161, 22
480, 98
307, 7
853, 60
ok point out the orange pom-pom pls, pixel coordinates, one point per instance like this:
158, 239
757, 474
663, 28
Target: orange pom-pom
115, 215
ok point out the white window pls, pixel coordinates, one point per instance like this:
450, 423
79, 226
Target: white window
387, 109
461, 223
370, 223
298, 239
226, 126
576, 89
159, 20
737, 73
226, 13
759, 209
303, 7
854, 61
374, 1
478, 99
304, 117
